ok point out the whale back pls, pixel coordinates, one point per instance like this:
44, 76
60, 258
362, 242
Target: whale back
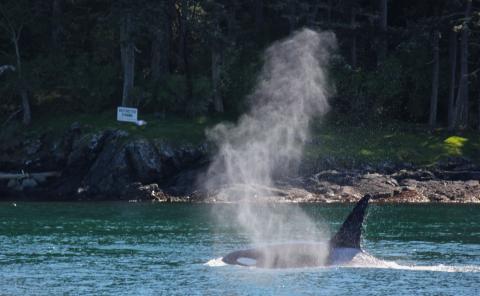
349, 235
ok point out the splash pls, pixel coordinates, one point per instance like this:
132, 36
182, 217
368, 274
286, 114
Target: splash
268, 141
365, 260
216, 262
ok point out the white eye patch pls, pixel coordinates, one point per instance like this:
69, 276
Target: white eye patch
247, 261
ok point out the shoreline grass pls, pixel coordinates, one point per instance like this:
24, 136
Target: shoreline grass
394, 142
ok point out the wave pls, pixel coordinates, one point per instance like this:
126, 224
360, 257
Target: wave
365, 260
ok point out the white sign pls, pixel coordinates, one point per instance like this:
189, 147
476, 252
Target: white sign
127, 114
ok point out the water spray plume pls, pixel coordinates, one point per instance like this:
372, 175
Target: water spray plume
268, 140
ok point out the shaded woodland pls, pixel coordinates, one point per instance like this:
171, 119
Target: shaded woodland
412, 61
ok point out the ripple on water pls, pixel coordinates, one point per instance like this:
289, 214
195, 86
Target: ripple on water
151, 250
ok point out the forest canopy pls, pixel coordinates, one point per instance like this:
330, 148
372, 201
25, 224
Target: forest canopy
415, 61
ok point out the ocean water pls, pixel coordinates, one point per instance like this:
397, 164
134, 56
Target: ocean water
173, 249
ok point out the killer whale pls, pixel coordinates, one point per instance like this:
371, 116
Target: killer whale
341, 248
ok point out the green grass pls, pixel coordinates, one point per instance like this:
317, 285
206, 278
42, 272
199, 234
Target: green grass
174, 129
397, 142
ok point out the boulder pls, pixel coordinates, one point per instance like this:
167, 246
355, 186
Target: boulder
29, 183
85, 149
110, 172
145, 161
418, 174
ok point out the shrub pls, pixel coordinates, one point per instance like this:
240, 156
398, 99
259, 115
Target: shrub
90, 86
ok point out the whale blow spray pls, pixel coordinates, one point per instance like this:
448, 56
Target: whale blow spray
268, 140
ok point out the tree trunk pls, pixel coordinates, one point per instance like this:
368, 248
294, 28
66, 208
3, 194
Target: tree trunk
216, 67
22, 85
453, 78
184, 54
258, 16
382, 50
353, 48
383, 14
127, 48
434, 99
478, 106
329, 12
231, 22
161, 48
27, 114
182, 35
217, 53
188, 77
312, 16
56, 31
462, 95
292, 15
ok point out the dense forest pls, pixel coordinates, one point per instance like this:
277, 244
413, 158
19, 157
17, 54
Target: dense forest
415, 61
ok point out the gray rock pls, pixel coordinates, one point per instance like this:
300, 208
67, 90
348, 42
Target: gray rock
472, 183
145, 161
456, 164
419, 174
29, 183
138, 192
85, 149
32, 147
13, 184
110, 172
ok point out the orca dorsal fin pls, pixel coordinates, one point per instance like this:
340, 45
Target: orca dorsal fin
349, 234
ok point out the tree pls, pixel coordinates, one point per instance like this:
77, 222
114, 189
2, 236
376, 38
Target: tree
478, 104
382, 50
292, 15
435, 77
13, 19
160, 26
186, 10
289, 11
201, 55
127, 50
258, 7
217, 58
461, 106
452, 51
56, 24
222, 15
353, 26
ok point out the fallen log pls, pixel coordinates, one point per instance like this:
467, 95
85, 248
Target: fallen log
37, 176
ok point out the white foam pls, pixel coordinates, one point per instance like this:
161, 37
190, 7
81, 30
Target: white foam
215, 262
365, 260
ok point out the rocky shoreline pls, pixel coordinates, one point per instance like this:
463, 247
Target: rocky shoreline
113, 165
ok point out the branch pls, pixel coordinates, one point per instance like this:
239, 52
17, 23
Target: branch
19, 32
11, 116
7, 25
4, 26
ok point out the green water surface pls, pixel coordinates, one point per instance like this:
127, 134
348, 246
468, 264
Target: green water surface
162, 249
